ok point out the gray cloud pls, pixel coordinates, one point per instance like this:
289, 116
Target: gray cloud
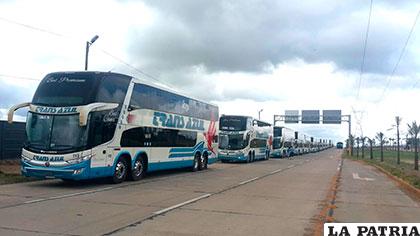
12, 94
241, 36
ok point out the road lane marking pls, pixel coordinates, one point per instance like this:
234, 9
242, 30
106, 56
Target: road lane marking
156, 213
247, 181
291, 166
68, 195
356, 176
276, 171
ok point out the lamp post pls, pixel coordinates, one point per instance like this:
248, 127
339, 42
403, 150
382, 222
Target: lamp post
259, 114
88, 44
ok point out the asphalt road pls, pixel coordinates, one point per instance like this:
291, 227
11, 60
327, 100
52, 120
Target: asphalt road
275, 197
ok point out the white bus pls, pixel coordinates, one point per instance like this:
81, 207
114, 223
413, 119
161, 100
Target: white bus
84, 125
283, 140
244, 139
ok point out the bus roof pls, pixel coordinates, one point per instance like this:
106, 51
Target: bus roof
136, 80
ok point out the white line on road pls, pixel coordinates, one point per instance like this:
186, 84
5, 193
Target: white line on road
181, 204
291, 166
356, 176
68, 195
247, 181
276, 171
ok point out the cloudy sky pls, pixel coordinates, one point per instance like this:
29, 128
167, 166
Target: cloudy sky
242, 55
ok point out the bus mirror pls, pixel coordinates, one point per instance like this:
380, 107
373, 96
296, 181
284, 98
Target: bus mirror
99, 106
133, 107
13, 109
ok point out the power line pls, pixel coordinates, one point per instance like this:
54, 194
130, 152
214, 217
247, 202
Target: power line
31, 27
19, 77
364, 50
65, 36
399, 58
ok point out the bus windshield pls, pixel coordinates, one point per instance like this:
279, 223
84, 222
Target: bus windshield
232, 123
55, 133
232, 142
277, 143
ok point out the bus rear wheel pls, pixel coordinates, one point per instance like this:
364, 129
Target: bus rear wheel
204, 161
139, 169
120, 171
196, 162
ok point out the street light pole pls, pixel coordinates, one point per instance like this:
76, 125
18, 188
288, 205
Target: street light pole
88, 44
259, 114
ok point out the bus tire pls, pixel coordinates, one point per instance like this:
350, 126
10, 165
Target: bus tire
120, 171
204, 161
139, 168
196, 162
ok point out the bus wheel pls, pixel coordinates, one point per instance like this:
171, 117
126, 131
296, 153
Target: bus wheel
120, 171
204, 161
196, 162
139, 169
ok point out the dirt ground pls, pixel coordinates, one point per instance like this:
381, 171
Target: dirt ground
10, 167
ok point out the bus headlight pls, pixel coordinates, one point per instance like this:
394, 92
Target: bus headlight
79, 159
25, 158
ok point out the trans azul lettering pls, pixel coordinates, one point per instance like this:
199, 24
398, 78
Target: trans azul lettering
50, 159
176, 121
56, 110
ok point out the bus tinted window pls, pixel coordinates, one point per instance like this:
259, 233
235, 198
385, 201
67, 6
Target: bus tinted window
157, 137
277, 132
60, 89
112, 89
233, 123
258, 143
80, 88
148, 97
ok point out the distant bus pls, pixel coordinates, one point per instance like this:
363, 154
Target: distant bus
339, 145
84, 125
243, 139
283, 139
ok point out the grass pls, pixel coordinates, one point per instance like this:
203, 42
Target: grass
13, 178
10, 172
403, 171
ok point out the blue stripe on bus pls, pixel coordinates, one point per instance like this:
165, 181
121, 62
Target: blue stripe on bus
191, 149
169, 165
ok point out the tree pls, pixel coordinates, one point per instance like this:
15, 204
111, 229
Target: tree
398, 121
381, 139
357, 150
414, 130
371, 142
363, 146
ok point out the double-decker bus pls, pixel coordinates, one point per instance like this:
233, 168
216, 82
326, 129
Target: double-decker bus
84, 125
243, 139
283, 140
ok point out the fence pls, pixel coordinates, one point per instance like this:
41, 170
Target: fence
12, 137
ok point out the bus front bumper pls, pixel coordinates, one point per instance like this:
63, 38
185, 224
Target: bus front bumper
77, 171
232, 157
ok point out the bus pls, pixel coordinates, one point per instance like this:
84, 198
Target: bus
243, 139
283, 139
84, 125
